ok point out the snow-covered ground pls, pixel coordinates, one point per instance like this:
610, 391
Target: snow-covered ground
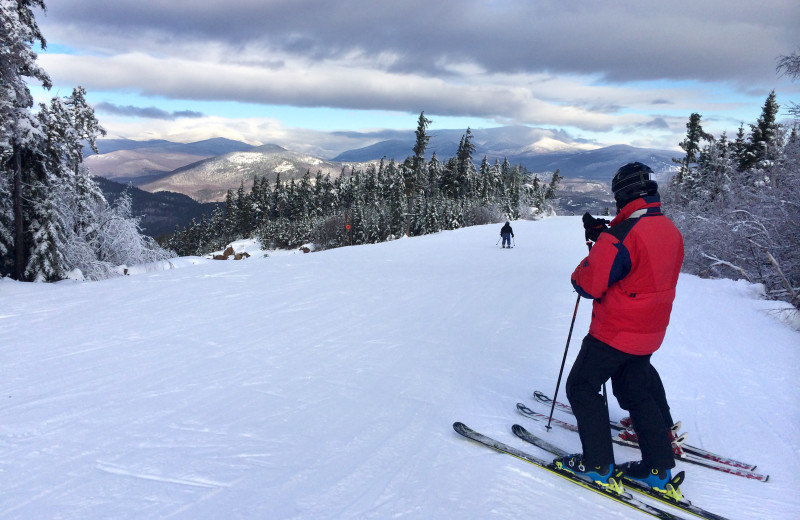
325, 386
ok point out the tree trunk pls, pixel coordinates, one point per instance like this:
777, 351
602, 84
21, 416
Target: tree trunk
19, 229
409, 207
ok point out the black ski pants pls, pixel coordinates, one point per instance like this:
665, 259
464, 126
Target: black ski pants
658, 393
636, 391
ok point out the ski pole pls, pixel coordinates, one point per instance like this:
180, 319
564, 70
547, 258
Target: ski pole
564, 359
498, 240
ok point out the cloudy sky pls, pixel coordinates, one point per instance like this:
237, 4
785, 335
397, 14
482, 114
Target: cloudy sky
331, 75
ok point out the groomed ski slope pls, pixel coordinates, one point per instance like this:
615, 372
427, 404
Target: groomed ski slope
325, 386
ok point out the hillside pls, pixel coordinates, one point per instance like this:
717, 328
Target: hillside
210, 179
159, 213
137, 162
325, 385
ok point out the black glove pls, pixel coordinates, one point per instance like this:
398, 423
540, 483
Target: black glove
593, 226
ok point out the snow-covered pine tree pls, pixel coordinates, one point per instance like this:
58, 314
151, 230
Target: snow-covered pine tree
484, 187
61, 197
259, 201
399, 220
242, 213
763, 144
695, 135
434, 173
305, 197
738, 148
19, 131
6, 226
415, 175
466, 172
742, 221
449, 180
54, 218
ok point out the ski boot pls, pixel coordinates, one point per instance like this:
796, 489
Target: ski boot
607, 475
659, 480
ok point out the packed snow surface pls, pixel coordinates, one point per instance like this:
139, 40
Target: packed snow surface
325, 386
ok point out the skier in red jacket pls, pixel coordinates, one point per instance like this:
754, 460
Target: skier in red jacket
631, 274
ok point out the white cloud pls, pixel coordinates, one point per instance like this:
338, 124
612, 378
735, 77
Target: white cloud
524, 99
602, 70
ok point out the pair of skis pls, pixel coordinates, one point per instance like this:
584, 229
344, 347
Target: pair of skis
625, 498
692, 454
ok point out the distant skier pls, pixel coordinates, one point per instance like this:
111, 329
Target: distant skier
631, 274
506, 232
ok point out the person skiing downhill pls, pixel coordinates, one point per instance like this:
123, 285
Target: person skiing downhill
506, 232
631, 274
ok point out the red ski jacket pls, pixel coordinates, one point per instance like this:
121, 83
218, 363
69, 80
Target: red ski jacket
631, 274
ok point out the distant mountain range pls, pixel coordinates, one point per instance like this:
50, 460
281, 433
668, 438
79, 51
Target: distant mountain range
210, 179
206, 170
539, 150
125, 160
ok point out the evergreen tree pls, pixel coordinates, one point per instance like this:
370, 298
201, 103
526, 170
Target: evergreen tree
259, 198
421, 143
691, 145
764, 134
6, 226
465, 168
739, 149
715, 162
319, 208
293, 204
19, 129
54, 219
47, 231
230, 216
305, 197
552, 188
449, 181
414, 175
743, 219
242, 214
434, 176
400, 208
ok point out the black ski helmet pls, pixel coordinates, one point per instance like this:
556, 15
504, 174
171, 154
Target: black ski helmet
631, 182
